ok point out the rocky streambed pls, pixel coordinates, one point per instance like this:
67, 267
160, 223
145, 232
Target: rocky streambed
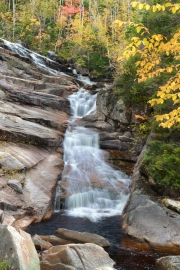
34, 114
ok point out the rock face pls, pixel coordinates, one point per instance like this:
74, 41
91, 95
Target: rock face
147, 219
34, 111
169, 262
116, 124
18, 248
84, 237
75, 256
55, 240
40, 244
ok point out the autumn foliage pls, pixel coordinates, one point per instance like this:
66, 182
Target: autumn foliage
71, 8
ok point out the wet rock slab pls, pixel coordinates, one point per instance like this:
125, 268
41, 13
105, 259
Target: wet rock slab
83, 237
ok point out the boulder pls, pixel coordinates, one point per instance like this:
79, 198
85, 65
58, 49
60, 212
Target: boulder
172, 204
40, 244
1, 216
16, 185
17, 247
55, 240
84, 237
9, 163
51, 55
75, 256
168, 262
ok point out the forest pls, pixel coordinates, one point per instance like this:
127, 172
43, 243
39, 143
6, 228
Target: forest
135, 43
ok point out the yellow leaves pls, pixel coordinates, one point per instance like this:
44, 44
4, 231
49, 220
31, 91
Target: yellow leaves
134, 4
169, 69
173, 10
139, 28
141, 6
171, 7
154, 8
160, 117
147, 7
145, 41
119, 23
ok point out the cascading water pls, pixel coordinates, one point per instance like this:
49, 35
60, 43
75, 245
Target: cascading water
89, 186
37, 59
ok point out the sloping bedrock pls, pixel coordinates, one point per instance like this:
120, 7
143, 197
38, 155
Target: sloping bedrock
38, 178
15, 129
18, 75
23, 95
51, 118
13, 66
59, 85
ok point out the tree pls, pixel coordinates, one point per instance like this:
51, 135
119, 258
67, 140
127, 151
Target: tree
152, 50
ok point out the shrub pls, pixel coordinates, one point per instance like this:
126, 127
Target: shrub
5, 265
162, 163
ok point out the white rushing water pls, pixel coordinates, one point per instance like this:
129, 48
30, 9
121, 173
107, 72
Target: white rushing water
39, 60
90, 186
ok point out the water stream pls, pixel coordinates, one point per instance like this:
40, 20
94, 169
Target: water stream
89, 186
35, 58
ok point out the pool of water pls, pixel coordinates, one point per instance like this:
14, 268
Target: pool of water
110, 228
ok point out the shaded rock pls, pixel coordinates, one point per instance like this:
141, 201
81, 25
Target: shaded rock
172, 204
81, 70
168, 262
55, 240
84, 237
100, 125
104, 268
18, 248
40, 244
16, 185
51, 55
110, 107
75, 256
1, 216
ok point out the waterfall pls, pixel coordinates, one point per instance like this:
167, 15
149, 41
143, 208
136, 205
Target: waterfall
35, 58
89, 186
